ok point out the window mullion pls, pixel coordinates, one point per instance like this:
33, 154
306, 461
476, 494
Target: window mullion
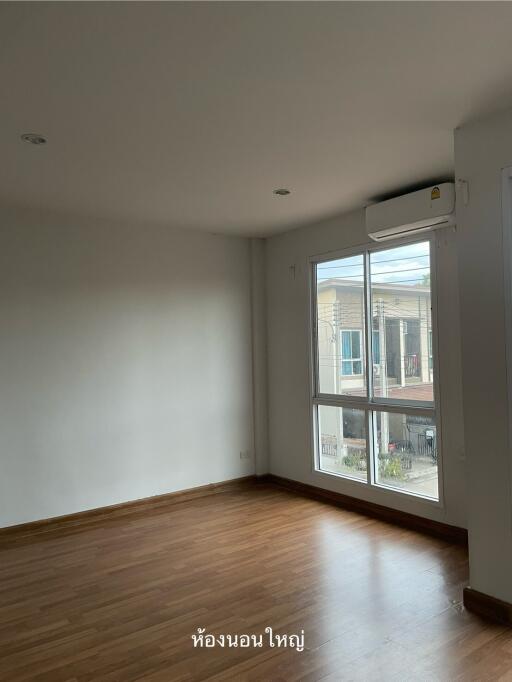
368, 328
368, 340
370, 448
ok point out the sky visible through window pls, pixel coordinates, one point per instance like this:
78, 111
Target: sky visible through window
407, 265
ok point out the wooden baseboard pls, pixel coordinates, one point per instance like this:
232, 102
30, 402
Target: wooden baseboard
437, 528
488, 607
93, 516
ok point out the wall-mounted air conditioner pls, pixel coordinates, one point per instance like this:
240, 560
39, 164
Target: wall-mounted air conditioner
427, 209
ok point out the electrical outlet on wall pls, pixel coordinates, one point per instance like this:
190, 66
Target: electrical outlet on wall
245, 454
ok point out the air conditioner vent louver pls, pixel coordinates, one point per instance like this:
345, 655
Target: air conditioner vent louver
426, 209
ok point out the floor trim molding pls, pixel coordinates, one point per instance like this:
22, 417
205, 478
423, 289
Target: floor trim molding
488, 607
94, 516
89, 516
437, 528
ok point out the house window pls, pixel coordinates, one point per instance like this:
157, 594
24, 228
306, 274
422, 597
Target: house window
373, 400
351, 352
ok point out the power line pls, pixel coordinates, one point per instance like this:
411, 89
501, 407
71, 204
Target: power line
386, 272
372, 262
395, 281
359, 305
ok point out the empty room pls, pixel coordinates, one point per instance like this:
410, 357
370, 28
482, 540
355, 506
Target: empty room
256, 341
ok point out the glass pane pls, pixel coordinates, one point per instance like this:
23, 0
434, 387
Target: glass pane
356, 345
340, 333
342, 441
406, 453
346, 368
402, 323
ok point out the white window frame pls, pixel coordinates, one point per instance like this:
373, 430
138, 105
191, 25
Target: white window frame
372, 404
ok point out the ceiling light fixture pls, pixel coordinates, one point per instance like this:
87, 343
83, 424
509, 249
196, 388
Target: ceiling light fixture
33, 138
282, 192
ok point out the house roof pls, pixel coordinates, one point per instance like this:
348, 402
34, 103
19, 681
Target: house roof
340, 282
419, 391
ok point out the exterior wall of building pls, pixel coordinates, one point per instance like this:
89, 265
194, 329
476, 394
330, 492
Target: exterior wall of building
342, 308
327, 343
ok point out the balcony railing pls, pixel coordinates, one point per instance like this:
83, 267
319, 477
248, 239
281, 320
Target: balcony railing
412, 365
329, 446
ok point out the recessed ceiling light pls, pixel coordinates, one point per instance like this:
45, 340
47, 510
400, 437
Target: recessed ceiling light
33, 138
282, 192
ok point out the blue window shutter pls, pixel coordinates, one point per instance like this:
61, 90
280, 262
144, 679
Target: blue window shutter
346, 350
356, 344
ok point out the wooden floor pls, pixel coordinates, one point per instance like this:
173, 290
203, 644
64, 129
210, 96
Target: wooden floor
119, 599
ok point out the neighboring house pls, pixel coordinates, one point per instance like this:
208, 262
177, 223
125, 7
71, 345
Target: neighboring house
401, 338
402, 362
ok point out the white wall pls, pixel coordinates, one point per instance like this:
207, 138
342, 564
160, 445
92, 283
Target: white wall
289, 377
125, 363
482, 149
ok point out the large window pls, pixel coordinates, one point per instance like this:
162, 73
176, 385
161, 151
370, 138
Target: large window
374, 391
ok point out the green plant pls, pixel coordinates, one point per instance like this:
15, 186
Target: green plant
355, 459
391, 467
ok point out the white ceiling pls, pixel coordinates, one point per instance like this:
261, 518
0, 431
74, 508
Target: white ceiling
189, 114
